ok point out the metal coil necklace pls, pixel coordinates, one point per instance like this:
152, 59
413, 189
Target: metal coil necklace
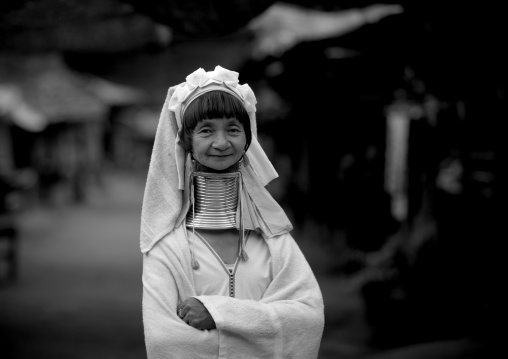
214, 200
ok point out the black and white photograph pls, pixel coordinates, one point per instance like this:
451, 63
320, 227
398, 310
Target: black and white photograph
247, 179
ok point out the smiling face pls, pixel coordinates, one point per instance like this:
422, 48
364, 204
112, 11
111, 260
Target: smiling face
218, 143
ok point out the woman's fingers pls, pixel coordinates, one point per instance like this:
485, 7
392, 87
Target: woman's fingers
185, 311
194, 313
181, 311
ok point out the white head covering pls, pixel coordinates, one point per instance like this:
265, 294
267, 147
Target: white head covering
166, 198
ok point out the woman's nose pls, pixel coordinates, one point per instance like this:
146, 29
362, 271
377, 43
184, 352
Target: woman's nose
221, 141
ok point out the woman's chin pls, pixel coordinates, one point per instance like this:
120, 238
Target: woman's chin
219, 165
224, 168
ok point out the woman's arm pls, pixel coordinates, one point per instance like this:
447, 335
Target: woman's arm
167, 335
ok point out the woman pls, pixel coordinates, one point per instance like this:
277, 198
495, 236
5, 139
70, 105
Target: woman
222, 276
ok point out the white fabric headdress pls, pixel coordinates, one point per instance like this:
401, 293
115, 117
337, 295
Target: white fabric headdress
165, 201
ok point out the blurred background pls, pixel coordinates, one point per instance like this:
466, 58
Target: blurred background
383, 121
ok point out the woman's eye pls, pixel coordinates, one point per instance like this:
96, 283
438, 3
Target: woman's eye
204, 130
235, 130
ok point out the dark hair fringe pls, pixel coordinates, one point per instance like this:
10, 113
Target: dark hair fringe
210, 105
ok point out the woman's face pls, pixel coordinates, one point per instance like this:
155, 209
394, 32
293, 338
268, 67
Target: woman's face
218, 143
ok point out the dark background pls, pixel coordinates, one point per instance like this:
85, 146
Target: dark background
424, 282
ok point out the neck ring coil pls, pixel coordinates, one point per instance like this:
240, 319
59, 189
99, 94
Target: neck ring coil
214, 200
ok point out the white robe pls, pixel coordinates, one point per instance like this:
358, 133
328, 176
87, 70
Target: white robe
250, 278
286, 323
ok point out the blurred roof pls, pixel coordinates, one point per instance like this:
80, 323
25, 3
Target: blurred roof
118, 25
77, 25
38, 90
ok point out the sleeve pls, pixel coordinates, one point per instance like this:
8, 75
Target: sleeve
288, 322
166, 335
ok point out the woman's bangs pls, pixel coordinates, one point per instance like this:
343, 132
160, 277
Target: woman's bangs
219, 104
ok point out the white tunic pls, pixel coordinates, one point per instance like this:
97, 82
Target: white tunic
286, 323
242, 280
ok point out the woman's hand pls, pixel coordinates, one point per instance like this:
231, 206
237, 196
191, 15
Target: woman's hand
194, 313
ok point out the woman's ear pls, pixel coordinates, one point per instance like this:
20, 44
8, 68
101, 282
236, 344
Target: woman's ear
185, 141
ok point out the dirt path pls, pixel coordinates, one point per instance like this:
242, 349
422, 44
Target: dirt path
79, 290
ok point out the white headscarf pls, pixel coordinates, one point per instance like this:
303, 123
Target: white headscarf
166, 198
